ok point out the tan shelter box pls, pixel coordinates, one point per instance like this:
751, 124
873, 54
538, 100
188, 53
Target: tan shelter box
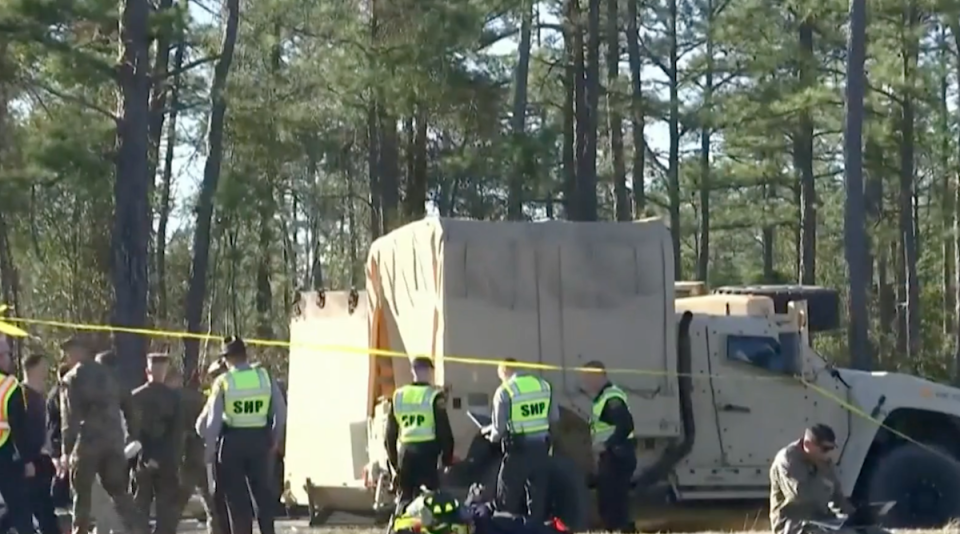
552, 293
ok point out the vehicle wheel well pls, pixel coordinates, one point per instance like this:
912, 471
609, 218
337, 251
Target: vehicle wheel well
929, 428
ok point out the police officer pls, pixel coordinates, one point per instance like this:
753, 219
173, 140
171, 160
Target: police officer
245, 421
523, 410
16, 453
220, 518
418, 433
35, 371
161, 435
614, 446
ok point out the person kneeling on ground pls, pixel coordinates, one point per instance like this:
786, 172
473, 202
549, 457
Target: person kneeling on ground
804, 486
437, 512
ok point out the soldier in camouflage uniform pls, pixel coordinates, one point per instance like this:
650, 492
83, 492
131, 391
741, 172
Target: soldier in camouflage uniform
105, 517
804, 486
193, 472
93, 440
161, 434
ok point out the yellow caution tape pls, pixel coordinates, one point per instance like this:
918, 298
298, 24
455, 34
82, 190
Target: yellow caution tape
365, 351
7, 328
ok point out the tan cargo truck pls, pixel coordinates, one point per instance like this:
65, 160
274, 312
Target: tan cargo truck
716, 381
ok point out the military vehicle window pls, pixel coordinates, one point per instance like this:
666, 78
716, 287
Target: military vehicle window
758, 351
790, 348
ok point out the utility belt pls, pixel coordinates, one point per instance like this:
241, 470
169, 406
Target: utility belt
241, 430
514, 443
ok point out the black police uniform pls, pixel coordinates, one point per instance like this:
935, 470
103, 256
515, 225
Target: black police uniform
15, 453
612, 430
41, 500
413, 445
524, 403
246, 402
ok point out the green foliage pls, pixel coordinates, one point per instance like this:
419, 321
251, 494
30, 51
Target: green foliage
297, 201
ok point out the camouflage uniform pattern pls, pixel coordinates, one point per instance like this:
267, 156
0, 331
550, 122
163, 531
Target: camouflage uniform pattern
802, 490
193, 472
161, 434
93, 438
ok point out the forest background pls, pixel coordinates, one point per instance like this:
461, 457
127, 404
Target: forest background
193, 165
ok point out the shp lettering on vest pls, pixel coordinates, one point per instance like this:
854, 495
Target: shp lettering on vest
530, 399
246, 396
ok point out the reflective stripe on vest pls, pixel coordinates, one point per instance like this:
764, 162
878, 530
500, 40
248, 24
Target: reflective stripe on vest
529, 404
246, 397
413, 409
600, 431
8, 385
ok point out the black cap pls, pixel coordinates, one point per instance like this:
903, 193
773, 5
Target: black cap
823, 434
233, 346
421, 362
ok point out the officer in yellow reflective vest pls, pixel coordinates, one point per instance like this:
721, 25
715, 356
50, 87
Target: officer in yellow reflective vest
418, 433
245, 421
523, 410
222, 520
614, 445
15, 465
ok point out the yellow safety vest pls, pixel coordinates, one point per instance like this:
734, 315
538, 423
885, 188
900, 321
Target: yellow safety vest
246, 397
529, 404
8, 385
413, 409
600, 431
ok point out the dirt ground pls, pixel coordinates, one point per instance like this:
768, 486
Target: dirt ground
347, 530
301, 527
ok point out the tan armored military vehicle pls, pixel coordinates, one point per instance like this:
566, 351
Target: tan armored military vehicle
717, 382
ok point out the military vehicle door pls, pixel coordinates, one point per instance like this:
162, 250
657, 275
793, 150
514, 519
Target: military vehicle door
760, 403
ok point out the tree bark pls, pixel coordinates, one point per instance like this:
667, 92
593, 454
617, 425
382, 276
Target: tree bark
614, 120
587, 152
803, 158
637, 120
673, 171
131, 222
571, 106
907, 229
166, 185
518, 120
855, 234
197, 290
706, 132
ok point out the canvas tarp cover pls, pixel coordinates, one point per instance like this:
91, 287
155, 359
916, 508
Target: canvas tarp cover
557, 293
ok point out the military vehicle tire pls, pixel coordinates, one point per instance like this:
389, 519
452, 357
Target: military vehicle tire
823, 303
569, 496
925, 485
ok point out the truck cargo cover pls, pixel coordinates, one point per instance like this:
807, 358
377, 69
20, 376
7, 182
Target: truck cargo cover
555, 293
